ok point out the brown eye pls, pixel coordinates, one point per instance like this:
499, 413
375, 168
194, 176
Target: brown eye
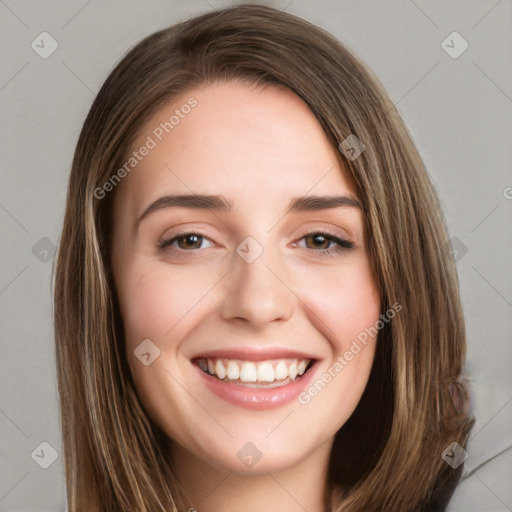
190, 241
319, 241
185, 242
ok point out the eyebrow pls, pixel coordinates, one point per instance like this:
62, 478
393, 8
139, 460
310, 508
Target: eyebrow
219, 203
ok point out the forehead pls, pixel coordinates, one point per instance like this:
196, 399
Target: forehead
245, 142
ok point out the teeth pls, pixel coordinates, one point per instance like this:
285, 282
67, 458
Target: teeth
265, 372
233, 370
292, 370
283, 370
247, 373
219, 369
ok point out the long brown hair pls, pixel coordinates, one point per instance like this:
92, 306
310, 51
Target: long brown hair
116, 458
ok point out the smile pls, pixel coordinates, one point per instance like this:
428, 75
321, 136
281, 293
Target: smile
255, 379
260, 374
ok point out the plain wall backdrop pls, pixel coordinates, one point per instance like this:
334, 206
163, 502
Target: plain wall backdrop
455, 101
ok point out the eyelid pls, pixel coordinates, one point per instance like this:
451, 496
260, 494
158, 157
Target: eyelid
341, 233
342, 226
189, 228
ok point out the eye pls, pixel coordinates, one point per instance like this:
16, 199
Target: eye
186, 241
325, 244
324, 240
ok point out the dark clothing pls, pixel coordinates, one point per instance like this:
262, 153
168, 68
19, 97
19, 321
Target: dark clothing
442, 493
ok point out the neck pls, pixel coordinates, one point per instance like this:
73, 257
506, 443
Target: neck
210, 489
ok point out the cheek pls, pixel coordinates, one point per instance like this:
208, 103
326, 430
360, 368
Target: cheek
155, 298
347, 308
347, 301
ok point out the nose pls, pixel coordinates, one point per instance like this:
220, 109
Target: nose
256, 293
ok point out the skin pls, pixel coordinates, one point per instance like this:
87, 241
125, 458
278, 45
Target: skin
259, 147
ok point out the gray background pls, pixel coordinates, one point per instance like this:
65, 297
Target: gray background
458, 111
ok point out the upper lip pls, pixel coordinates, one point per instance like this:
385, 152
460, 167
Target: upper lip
253, 354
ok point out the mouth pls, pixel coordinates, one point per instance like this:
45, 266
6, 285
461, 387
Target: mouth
255, 380
265, 374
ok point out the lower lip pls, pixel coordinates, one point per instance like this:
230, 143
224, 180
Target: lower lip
257, 398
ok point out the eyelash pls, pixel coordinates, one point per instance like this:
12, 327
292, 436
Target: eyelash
342, 245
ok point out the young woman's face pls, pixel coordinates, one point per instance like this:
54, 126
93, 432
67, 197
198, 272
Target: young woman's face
251, 285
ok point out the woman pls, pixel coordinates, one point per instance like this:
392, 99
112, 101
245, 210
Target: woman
210, 355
